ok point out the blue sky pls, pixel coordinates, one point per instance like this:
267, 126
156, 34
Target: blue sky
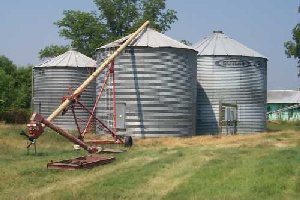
263, 25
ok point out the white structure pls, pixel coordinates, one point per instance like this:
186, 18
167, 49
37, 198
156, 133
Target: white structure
283, 105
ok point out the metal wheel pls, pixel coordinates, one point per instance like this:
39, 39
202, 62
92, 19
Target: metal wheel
128, 142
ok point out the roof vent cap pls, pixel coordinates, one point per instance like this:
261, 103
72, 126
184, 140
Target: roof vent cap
218, 32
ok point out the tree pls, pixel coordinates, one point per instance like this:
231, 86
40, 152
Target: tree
7, 70
15, 85
83, 29
7, 65
15, 91
23, 87
114, 19
186, 42
152, 10
6, 90
293, 47
52, 51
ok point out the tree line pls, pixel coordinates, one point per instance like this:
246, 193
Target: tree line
15, 91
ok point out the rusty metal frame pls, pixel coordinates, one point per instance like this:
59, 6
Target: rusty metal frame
80, 163
95, 104
35, 129
76, 104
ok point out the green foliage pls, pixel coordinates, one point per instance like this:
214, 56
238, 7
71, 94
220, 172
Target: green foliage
186, 42
153, 11
123, 17
7, 71
7, 65
293, 47
15, 91
114, 19
23, 88
52, 51
83, 29
118, 16
6, 89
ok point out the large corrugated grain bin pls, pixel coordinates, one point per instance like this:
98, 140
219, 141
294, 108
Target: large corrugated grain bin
52, 80
232, 87
155, 86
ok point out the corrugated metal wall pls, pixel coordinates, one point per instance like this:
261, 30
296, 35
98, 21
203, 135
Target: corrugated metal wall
157, 87
52, 83
231, 79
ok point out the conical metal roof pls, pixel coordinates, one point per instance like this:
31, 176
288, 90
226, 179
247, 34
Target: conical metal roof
219, 44
70, 58
149, 38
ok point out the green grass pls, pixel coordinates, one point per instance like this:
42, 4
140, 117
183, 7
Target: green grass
284, 125
265, 166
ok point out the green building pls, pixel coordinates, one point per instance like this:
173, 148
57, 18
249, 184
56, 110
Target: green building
283, 105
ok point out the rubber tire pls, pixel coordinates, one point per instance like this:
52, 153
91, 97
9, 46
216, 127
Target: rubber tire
128, 142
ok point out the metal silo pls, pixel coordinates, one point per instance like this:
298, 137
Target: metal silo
155, 86
232, 87
52, 80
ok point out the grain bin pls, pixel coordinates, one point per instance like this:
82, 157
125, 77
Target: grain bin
52, 80
155, 86
232, 86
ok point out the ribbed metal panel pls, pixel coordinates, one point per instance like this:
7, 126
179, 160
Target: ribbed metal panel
231, 79
158, 86
52, 83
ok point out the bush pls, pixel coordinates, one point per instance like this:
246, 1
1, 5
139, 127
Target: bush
15, 115
15, 91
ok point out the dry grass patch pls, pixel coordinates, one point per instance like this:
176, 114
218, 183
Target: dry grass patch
221, 141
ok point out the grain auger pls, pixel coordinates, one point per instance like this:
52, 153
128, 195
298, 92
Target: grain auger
38, 122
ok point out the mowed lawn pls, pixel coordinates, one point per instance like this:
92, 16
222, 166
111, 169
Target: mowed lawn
256, 166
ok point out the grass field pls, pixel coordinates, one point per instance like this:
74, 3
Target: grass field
258, 166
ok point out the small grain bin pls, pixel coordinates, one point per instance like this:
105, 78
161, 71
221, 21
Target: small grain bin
232, 86
155, 86
52, 80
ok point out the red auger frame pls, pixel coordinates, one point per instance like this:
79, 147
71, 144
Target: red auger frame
35, 127
37, 123
76, 104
